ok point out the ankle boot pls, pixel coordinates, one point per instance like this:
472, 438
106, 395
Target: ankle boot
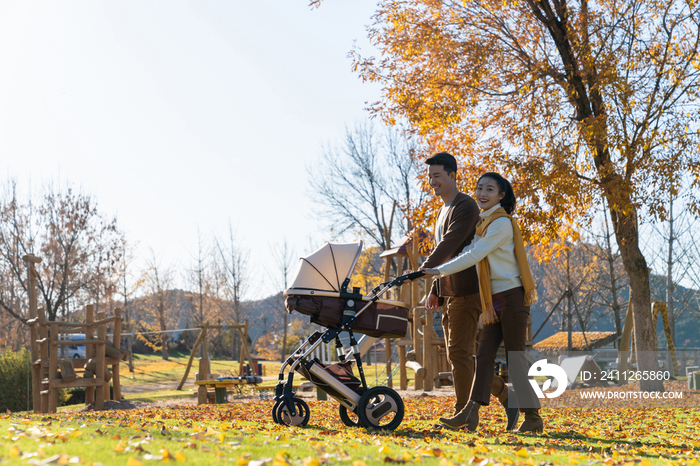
532, 423
468, 417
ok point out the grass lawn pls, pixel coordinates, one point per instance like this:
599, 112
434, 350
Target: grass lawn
243, 433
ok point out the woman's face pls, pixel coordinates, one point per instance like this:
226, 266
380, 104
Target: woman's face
487, 194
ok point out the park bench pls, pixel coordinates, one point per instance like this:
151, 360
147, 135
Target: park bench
222, 384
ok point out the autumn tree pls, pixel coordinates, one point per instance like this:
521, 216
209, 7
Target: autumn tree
367, 183
577, 102
80, 248
283, 256
232, 276
158, 306
671, 249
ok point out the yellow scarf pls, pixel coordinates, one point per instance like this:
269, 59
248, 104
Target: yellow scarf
487, 309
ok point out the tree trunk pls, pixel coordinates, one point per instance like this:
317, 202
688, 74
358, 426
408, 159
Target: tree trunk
669, 274
627, 234
613, 280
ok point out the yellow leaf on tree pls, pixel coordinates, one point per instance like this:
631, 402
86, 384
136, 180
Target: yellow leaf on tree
134, 462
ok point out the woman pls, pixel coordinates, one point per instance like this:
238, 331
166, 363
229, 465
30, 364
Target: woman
507, 290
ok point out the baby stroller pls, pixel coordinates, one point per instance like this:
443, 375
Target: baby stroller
319, 290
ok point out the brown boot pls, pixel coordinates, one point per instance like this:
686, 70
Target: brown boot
532, 423
468, 417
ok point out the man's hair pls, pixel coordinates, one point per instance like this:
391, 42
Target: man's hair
444, 159
509, 201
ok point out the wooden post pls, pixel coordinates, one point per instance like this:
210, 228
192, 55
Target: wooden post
417, 381
117, 395
189, 362
403, 381
44, 357
89, 349
387, 344
30, 260
53, 368
100, 395
203, 369
427, 355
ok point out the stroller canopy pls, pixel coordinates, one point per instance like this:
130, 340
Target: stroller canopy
327, 268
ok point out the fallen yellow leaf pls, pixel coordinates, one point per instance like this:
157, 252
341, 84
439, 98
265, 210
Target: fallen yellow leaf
133, 462
180, 456
522, 453
119, 448
384, 450
14, 450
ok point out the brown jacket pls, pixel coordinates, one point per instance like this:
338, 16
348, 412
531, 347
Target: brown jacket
457, 232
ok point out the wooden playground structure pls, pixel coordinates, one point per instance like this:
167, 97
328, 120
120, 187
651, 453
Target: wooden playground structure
51, 372
428, 359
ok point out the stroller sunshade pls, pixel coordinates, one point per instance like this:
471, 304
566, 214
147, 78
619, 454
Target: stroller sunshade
326, 268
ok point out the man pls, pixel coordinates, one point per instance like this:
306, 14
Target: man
458, 293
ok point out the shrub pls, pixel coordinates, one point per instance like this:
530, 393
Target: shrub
75, 396
15, 381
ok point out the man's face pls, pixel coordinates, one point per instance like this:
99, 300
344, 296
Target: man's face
440, 181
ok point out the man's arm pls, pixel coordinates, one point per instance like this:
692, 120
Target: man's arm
463, 223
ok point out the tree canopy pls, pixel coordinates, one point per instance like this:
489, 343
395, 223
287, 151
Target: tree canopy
579, 103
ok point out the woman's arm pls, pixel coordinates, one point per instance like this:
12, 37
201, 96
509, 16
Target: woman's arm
498, 232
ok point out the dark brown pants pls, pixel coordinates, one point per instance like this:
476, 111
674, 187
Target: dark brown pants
460, 323
511, 329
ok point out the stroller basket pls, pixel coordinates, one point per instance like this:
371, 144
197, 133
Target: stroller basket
382, 319
341, 371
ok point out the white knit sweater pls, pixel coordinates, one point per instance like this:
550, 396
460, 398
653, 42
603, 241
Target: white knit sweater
498, 247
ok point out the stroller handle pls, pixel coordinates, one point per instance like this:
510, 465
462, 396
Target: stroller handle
411, 276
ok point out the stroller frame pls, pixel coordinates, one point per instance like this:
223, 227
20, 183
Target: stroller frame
374, 406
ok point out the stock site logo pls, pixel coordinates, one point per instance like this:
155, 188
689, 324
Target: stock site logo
543, 368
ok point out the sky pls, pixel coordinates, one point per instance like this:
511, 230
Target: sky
182, 117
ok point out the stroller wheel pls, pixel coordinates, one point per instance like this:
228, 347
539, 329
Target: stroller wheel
350, 419
380, 408
275, 407
300, 418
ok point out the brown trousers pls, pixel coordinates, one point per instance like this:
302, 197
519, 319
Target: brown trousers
511, 329
460, 323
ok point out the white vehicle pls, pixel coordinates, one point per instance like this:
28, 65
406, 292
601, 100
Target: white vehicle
73, 351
